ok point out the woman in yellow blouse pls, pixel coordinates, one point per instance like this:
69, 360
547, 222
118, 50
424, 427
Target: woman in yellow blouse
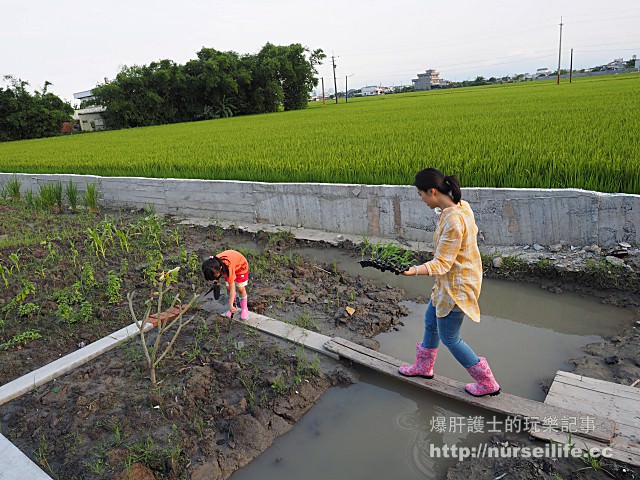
457, 268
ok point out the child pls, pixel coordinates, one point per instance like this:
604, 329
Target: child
235, 269
457, 269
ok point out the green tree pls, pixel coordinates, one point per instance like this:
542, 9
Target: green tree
24, 115
214, 85
297, 73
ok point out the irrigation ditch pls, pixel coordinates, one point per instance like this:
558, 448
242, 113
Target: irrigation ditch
225, 392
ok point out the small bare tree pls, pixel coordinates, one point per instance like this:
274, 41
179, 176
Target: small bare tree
153, 351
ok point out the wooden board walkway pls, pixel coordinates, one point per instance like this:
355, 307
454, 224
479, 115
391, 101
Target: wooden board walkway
545, 415
618, 402
612, 421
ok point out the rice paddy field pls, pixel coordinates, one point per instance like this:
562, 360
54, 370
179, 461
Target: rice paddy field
534, 134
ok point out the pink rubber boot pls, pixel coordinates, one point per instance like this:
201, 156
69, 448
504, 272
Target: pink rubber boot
485, 382
423, 366
244, 309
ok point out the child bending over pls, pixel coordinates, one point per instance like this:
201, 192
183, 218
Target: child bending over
235, 269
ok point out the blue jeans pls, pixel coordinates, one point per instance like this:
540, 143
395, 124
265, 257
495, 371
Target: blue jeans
447, 329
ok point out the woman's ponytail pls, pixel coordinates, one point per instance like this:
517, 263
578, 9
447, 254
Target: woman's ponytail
454, 185
432, 178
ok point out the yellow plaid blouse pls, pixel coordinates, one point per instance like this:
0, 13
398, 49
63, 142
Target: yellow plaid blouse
456, 264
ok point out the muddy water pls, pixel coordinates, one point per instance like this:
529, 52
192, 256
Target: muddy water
378, 428
382, 428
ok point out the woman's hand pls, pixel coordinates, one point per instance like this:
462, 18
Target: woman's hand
411, 271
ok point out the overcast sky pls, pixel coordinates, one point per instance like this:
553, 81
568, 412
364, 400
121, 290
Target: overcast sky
76, 44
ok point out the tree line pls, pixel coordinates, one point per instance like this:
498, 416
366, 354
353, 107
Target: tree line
216, 84
24, 115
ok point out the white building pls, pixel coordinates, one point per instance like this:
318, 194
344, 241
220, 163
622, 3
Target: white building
373, 90
427, 80
90, 119
617, 64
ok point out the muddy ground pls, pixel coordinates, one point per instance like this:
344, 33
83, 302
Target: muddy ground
227, 392
224, 394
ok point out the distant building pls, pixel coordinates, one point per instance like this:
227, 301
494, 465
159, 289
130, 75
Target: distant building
617, 64
427, 80
89, 119
541, 72
374, 90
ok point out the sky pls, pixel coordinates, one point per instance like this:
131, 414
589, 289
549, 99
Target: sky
76, 44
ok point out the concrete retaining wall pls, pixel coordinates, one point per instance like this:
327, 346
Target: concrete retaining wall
504, 216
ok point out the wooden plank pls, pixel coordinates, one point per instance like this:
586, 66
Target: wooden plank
621, 410
312, 340
618, 452
309, 339
599, 386
16, 464
55, 369
504, 403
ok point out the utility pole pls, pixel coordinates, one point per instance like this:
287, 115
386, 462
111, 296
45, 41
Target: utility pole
571, 67
323, 102
346, 90
335, 82
559, 52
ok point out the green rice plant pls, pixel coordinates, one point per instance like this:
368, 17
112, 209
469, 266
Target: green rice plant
47, 196
71, 192
530, 134
11, 190
90, 198
56, 192
30, 199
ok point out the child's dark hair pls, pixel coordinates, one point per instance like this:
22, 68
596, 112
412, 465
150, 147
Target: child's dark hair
432, 178
213, 267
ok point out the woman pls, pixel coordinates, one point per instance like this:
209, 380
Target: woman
457, 268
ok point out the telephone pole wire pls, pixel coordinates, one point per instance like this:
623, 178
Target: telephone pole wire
559, 52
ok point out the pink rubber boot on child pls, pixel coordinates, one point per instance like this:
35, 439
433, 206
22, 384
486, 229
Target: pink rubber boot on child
485, 382
244, 308
423, 366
